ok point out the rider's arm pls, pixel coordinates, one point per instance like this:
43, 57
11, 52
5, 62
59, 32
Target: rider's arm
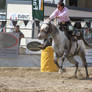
54, 14
64, 13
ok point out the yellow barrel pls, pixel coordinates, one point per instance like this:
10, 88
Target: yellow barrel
47, 60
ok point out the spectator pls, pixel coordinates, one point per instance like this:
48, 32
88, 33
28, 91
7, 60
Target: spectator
19, 33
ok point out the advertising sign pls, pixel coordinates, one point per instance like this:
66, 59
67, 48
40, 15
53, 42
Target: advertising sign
8, 44
35, 51
38, 9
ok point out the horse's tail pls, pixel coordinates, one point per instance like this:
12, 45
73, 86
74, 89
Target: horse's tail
85, 42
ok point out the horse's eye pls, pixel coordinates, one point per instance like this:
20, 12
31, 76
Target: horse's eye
41, 30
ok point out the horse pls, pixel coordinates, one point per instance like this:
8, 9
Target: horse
62, 46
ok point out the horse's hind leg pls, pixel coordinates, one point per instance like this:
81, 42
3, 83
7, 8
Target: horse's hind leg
82, 55
74, 61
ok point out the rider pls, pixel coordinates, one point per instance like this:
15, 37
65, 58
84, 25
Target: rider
61, 13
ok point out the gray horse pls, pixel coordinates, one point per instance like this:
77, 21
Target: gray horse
61, 46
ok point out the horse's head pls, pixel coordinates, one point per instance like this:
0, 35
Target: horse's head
44, 30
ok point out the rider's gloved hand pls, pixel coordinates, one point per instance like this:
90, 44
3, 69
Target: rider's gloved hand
57, 17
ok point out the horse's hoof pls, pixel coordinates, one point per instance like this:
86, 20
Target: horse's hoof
64, 70
61, 70
87, 77
76, 77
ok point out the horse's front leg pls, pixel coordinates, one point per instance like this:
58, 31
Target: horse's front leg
65, 54
56, 62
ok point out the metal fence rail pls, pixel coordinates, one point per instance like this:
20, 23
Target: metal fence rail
32, 30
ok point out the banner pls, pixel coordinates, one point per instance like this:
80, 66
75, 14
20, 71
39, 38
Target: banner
26, 22
14, 22
3, 24
38, 9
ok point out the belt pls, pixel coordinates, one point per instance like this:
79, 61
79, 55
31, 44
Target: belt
62, 23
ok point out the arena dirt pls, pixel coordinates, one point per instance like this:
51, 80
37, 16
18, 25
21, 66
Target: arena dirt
32, 80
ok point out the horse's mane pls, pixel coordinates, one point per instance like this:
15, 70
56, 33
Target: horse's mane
56, 27
53, 25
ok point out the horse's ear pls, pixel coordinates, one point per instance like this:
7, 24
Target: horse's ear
47, 20
49, 23
41, 23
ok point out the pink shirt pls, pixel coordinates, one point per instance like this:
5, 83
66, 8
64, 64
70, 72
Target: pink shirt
64, 16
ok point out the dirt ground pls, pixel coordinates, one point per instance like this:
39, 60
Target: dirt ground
32, 80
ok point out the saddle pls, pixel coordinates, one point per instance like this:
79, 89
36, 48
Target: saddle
71, 32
